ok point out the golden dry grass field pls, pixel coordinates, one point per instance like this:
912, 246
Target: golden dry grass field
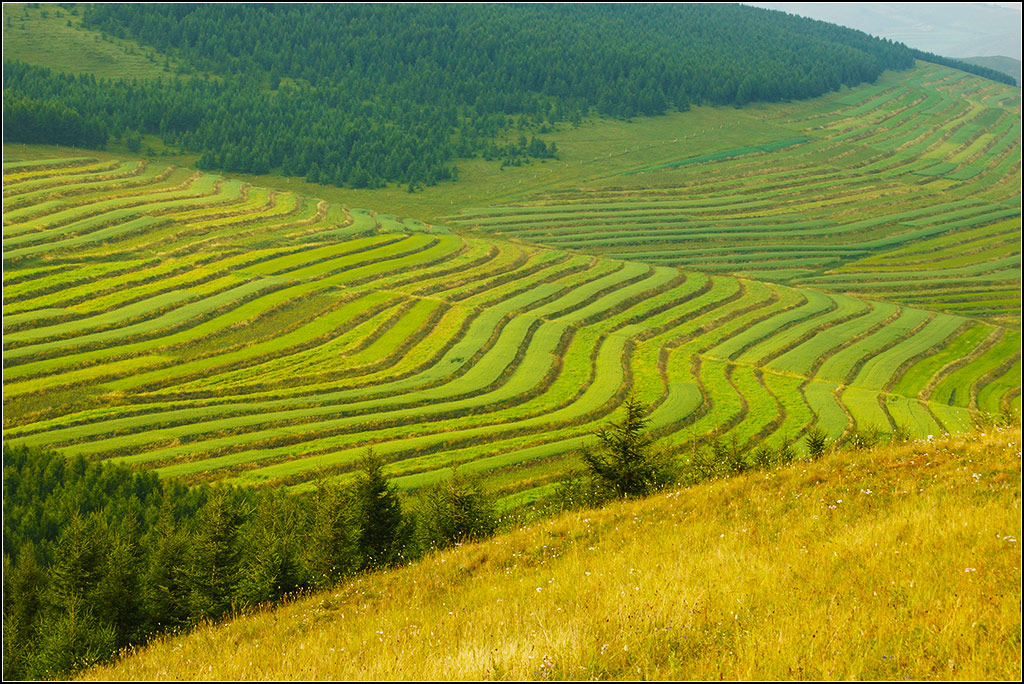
899, 562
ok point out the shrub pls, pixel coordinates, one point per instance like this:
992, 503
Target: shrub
577, 489
900, 434
730, 456
456, 510
763, 457
702, 465
785, 454
864, 438
986, 420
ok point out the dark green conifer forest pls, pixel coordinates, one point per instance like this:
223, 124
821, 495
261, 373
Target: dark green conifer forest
362, 95
98, 557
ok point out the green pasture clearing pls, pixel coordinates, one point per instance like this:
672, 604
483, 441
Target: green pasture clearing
912, 415
28, 171
883, 366
827, 311
191, 272
70, 48
763, 408
918, 375
845, 365
725, 406
320, 326
796, 412
994, 395
103, 320
24, 200
867, 413
821, 398
726, 154
169, 321
13, 168
906, 130
823, 345
771, 328
387, 327
31, 293
952, 245
204, 191
955, 388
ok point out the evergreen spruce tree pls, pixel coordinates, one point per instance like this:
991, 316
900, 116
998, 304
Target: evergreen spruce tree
382, 527
212, 567
71, 636
456, 510
166, 584
624, 457
24, 590
271, 567
118, 601
332, 551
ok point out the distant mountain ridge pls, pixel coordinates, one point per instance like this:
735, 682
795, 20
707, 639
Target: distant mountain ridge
1007, 65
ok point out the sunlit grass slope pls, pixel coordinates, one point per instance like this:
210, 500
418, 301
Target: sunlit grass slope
52, 36
902, 562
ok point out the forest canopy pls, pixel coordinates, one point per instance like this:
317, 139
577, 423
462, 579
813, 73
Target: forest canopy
360, 95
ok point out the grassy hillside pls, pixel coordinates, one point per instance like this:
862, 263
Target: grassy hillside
215, 330
906, 190
899, 562
53, 36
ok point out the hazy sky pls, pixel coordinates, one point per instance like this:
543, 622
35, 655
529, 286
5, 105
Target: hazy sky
950, 29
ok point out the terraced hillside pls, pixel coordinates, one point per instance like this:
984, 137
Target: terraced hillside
907, 191
217, 331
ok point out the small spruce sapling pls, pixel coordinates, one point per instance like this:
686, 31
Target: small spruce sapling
625, 457
816, 442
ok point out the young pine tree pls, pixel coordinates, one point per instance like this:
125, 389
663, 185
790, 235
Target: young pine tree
624, 457
383, 531
270, 566
332, 553
212, 568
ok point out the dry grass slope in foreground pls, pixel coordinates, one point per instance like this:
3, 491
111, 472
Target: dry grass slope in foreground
902, 562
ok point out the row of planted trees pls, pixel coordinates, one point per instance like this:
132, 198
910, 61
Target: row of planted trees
97, 558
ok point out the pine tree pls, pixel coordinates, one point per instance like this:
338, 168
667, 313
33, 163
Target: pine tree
165, 585
212, 567
24, 589
624, 458
271, 559
118, 601
332, 552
